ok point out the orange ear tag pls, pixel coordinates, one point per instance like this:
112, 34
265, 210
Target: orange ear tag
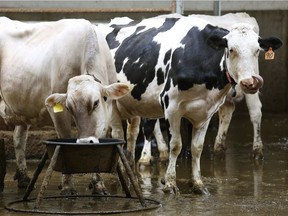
57, 108
269, 55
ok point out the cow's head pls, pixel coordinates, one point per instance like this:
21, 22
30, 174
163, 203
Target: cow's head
242, 47
85, 101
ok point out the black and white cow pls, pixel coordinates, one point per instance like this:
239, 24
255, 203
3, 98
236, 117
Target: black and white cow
182, 67
225, 111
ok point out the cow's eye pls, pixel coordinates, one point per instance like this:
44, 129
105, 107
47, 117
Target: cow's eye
95, 105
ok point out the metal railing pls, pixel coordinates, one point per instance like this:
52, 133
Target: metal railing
175, 6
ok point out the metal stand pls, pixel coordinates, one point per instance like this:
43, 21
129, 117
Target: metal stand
2, 164
51, 167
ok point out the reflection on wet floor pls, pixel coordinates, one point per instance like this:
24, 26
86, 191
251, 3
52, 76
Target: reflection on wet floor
237, 186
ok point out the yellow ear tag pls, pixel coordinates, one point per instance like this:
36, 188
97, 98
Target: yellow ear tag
57, 108
269, 55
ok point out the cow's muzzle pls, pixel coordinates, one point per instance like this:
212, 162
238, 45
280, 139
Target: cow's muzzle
252, 85
90, 139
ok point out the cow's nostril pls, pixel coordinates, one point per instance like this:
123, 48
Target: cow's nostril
248, 83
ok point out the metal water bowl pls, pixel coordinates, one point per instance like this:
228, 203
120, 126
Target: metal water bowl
84, 157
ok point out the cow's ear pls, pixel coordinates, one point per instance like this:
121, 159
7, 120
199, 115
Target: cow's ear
54, 99
217, 42
273, 42
116, 90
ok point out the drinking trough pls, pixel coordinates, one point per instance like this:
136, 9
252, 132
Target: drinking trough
69, 157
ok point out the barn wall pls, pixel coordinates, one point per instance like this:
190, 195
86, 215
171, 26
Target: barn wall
274, 94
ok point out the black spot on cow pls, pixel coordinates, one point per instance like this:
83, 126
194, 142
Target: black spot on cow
197, 62
160, 76
113, 43
167, 56
140, 54
166, 101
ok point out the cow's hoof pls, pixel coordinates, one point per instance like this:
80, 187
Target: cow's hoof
98, 188
68, 192
219, 155
98, 191
171, 189
257, 154
23, 179
200, 190
144, 162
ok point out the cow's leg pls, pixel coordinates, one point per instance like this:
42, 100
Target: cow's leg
62, 124
147, 127
173, 122
161, 143
97, 185
254, 106
20, 136
225, 113
198, 137
132, 134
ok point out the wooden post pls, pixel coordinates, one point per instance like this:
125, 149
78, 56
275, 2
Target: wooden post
2, 164
131, 176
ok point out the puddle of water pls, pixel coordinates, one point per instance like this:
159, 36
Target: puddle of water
237, 185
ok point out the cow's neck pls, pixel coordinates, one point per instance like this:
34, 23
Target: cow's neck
229, 78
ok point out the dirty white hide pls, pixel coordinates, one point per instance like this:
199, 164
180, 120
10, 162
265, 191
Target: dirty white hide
38, 59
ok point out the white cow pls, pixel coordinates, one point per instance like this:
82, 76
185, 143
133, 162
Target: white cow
38, 59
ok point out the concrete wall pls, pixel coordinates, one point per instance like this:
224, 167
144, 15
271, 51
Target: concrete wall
272, 17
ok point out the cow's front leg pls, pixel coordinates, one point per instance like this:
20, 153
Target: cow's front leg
132, 134
67, 187
225, 113
97, 185
20, 136
254, 106
175, 149
198, 137
62, 124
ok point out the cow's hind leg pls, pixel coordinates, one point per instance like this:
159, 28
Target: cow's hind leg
161, 143
225, 113
147, 127
132, 134
20, 136
254, 106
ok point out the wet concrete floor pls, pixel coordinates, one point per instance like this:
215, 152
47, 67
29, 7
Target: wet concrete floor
237, 186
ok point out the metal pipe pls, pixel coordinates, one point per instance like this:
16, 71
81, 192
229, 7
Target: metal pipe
217, 7
83, 10
179, 6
